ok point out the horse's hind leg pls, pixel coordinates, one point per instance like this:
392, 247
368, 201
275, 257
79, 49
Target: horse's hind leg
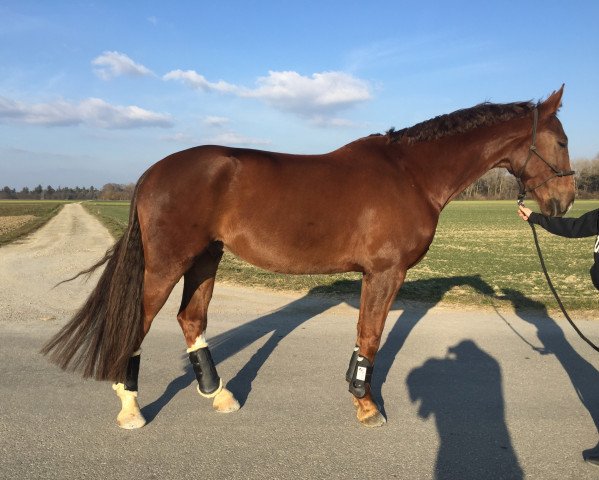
197, 293
157, 287
378, 292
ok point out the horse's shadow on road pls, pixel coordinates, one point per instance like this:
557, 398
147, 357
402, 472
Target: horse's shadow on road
490, 434
279, 324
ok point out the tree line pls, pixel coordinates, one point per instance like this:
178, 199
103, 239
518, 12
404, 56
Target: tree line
497, 184
110, 191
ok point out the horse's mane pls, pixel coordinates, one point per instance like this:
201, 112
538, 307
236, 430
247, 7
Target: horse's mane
460, 121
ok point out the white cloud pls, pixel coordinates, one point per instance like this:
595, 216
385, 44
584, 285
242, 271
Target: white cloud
216, 122
115, 64
235, 139
195, 80
91, 111
321, 94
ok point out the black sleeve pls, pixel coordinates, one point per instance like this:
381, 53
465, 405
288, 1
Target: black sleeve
584, 226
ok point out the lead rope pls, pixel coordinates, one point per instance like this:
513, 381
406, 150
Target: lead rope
552, 288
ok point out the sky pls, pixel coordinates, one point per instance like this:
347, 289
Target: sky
96, 92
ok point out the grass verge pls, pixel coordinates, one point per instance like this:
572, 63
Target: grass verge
113, 215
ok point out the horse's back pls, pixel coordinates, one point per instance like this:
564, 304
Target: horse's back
294, 213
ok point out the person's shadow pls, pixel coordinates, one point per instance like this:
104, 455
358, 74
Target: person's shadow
464, 394
282, 322
583, 376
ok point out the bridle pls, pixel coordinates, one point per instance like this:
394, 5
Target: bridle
533, 150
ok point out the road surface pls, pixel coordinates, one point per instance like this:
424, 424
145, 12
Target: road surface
468, 394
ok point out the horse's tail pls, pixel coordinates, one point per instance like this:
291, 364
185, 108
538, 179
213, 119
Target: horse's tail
99, 340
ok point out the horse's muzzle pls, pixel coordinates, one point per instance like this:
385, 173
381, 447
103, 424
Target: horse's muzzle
557, 208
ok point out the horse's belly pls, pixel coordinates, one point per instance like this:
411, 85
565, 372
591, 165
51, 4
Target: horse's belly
300, 258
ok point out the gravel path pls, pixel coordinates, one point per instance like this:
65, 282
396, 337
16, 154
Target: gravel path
29, 269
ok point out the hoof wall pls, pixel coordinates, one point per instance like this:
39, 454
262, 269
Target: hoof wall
225, 402
376, 420
131, 422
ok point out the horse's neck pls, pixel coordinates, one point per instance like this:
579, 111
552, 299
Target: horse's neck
458, 162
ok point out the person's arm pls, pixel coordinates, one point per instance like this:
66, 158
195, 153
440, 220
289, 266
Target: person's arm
583, 226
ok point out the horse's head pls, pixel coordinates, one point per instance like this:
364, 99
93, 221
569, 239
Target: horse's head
544, 167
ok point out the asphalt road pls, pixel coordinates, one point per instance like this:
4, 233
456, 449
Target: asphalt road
470, 394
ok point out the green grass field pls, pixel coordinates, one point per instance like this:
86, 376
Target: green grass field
28, 215
483, 254
114, 215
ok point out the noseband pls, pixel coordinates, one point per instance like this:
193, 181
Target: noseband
533, 150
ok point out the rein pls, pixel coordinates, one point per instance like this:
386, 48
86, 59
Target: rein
521, 194
552, 288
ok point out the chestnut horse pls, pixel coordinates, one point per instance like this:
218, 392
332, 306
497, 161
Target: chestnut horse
371, 206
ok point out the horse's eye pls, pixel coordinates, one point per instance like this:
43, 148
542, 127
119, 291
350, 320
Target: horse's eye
562, 144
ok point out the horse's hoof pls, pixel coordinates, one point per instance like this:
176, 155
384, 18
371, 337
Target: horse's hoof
130, 421
225, 402
376, 420
368, 415
130, 416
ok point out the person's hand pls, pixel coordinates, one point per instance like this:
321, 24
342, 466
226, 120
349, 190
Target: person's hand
524, 212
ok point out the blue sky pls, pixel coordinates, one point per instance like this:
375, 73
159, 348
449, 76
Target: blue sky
95, 92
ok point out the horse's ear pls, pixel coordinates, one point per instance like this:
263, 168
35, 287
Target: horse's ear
553, 102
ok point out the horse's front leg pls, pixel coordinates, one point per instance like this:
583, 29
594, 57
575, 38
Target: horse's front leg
378, 292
